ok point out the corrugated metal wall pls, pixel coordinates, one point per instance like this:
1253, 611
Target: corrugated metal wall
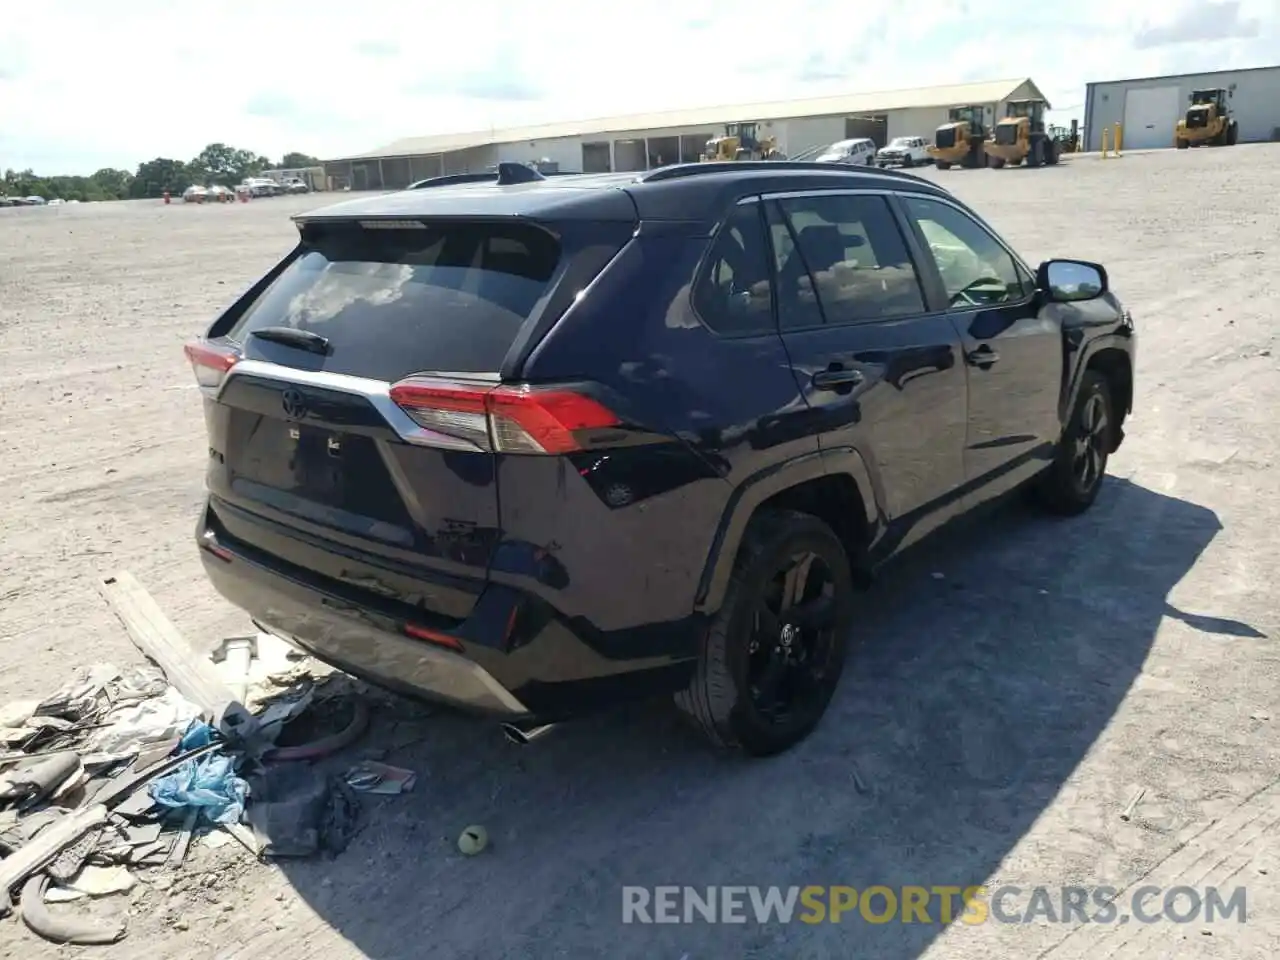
1255, 103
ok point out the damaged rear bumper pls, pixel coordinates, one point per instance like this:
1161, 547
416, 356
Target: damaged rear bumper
512, 657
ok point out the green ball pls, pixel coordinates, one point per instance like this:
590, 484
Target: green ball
473, 840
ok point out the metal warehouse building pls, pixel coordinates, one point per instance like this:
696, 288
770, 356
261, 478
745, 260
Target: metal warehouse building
643, 141
1149, 108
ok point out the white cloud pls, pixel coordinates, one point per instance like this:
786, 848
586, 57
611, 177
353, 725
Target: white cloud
85, 84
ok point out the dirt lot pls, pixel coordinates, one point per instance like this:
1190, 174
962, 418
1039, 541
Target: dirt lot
1015, 688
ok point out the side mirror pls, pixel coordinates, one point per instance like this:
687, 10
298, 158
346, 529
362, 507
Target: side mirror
1066, 281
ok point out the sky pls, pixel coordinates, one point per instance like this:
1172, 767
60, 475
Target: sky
86, 84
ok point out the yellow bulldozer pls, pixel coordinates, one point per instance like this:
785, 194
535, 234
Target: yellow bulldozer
961, 140
1208, 120
741, 142
1021, 136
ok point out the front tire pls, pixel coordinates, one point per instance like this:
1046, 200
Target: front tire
770, 661
1072, 483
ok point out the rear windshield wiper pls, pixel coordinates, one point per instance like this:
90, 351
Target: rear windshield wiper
291, 336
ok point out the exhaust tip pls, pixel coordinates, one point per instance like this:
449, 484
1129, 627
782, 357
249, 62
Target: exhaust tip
523, 736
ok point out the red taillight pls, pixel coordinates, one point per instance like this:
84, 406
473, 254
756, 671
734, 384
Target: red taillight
210, 362
505, 419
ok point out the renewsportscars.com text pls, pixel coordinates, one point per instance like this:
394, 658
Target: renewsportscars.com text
940, 904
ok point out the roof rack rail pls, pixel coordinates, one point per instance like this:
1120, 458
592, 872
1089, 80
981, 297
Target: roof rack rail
680, 170
451, 178
520, 174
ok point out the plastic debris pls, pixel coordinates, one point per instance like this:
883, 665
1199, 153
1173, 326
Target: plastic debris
381, 778
142, 724
93, 882
297, 812
208, 786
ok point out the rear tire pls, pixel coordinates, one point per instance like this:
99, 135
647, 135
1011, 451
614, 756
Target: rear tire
997, 162
764, 676
1072, 482
1233, 134
1050, 152
1180, 143
943, 165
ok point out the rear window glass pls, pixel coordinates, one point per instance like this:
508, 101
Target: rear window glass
395, 301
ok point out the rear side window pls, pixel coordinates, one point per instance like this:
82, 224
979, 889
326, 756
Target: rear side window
446, 297
734, 294
841, 259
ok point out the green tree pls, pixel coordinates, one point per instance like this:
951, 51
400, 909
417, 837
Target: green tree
156, 176
293, 160
219, 163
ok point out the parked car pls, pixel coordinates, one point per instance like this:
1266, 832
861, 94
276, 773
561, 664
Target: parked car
261, 186
904, 152
499, 445
295, 185
859, 151
195, 194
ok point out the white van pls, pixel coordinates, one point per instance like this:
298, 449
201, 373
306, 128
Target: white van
861, 150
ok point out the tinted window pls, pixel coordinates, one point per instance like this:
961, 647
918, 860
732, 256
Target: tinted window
841, 259
398, 301
976, 270
734, 294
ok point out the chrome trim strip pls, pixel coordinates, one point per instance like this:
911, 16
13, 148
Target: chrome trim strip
377, 392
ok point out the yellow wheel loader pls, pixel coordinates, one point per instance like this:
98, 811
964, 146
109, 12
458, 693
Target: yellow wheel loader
740, 142
961, 140
1208, 120
1021, 136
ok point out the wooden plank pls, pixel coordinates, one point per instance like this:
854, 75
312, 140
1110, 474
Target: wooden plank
185, 667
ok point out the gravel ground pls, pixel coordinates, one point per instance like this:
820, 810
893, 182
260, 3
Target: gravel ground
1015, 688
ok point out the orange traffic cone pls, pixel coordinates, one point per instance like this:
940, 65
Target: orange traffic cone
166, 196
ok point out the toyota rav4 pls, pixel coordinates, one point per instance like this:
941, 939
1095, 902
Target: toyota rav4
530, 446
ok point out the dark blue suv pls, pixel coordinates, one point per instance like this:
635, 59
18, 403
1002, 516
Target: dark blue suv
532, 445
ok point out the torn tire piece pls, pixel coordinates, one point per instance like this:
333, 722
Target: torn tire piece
63, 928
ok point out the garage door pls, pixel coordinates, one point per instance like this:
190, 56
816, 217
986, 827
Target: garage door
1149, 117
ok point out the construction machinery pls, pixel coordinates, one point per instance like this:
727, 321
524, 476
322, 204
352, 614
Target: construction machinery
1208, 120
1068, 140
1022, 136
961, 140
741, 142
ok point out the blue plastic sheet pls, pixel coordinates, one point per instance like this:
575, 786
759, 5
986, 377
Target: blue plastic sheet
208, 785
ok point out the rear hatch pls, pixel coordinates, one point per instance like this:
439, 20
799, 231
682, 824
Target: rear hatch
355, 405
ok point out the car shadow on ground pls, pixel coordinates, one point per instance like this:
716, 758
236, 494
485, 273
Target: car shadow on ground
986, 667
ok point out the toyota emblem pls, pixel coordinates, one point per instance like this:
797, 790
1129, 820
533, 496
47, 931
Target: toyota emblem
294, 403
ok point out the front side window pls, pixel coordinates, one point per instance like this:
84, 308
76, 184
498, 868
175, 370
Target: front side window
976, 270
841, 259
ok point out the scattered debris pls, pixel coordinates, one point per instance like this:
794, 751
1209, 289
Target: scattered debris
63, 929
1127, 813
297, 812
373, 777
122, 771
94, 881
473, 840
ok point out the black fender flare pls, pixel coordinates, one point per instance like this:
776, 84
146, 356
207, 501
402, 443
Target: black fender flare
1091, 348
772, 480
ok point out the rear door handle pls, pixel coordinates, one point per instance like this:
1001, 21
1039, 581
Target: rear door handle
983, 356
835, 379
